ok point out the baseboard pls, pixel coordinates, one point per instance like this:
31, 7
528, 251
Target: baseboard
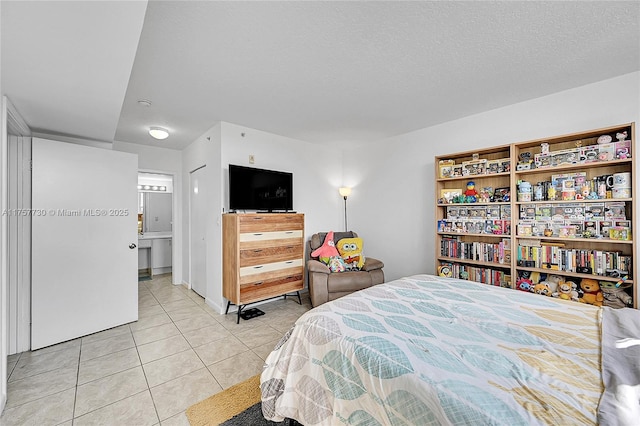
213, 305
160, 271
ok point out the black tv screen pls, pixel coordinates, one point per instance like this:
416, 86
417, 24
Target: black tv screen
259, 189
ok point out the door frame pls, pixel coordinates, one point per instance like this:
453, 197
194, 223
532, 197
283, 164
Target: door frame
11, 121
190, 283
176, 229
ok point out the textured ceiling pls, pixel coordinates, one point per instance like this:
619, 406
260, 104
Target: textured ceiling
339, 72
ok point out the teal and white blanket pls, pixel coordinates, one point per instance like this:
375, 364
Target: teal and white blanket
428, 350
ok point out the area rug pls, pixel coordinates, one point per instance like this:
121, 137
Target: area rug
237, 406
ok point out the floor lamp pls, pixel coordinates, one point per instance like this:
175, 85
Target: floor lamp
345, 192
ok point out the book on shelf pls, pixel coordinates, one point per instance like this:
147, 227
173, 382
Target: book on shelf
588, 261
455, 247
479, 274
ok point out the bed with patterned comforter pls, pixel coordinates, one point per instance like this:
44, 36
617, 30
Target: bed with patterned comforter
429, 350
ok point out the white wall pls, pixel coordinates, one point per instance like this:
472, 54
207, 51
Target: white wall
205, 151
392, 204
167, 161
317, 172
151, 157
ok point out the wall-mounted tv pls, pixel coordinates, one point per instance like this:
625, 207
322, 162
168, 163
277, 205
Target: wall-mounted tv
260, 189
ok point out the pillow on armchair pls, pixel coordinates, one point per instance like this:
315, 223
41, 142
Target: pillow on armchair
317, 240
350, 250
327, 250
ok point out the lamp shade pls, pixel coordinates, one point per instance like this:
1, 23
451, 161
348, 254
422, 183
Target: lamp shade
345, 191
158, 133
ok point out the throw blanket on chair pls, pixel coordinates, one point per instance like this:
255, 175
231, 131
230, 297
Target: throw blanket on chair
620, 402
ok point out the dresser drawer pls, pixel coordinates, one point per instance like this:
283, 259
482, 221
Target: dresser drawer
274, 267
270, 222
260, 255
264, 289
271, 235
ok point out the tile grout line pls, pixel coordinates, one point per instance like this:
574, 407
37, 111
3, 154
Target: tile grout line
190, 348
155, 408
193, 349
75, 393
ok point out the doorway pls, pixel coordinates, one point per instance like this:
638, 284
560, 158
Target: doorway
155, 224
197, 231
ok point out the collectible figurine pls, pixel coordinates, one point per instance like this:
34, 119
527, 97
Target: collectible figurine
622, 154
544, 148
621, 136
604, 139
471, 192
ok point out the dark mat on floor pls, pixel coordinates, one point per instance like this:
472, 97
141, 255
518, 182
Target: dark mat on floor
144, 278
251, 416
251, 313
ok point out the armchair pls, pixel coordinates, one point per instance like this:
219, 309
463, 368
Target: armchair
325, 285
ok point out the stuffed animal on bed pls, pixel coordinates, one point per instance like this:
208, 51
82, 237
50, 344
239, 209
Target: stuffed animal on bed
327, 250
351, 251
592, 293
615, 297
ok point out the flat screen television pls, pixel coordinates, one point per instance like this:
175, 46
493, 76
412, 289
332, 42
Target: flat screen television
259, 189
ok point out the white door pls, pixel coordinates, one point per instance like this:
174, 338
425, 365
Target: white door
84, 236
197, 217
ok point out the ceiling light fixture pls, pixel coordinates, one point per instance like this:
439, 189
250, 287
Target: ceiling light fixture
158, 133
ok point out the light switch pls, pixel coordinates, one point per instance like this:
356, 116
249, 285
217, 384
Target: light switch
252, 159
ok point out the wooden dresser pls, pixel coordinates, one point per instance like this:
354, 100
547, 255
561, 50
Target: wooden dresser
262, 256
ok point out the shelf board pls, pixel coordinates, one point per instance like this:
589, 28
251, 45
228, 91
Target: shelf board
474, 262
601, 200
588, 240
455, 234
474, 177
580, 166
569, 273
506, 203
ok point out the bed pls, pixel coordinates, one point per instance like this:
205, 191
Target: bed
430, 350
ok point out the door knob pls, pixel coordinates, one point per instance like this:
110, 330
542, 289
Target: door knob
132, 246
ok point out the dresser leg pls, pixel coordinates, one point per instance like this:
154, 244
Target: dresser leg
239, 312
299, 299
228, 304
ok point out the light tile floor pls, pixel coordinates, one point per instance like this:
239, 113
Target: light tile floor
148, 372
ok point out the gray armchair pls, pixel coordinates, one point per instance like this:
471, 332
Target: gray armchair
325, 285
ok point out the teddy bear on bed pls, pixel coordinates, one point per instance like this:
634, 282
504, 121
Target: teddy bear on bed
592, 293
615, 297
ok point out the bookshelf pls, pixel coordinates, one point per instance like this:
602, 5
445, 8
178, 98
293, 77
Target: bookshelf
563, 205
